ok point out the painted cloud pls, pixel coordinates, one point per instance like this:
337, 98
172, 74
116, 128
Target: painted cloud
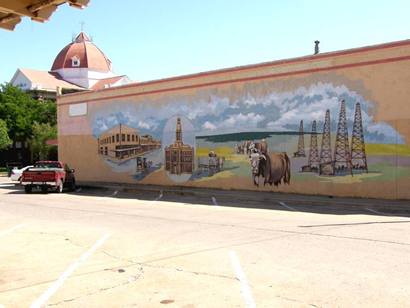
276, 111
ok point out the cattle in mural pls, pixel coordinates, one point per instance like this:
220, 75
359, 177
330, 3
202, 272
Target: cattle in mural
244, 147
259, 146
249, 140
247, 147
273, 167
241, 148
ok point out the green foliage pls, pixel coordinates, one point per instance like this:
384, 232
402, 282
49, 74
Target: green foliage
20, 111
28, 119
4, 137
41, 133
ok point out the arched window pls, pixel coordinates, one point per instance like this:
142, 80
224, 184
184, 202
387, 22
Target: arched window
75, 62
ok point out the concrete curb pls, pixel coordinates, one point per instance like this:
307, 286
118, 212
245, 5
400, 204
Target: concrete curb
256, 197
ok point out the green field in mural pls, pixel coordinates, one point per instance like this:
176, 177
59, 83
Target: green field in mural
311, 136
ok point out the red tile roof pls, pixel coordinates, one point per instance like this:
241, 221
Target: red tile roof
106, 83
84, 50
47, 80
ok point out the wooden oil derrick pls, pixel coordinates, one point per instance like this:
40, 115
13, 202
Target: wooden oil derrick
301, 142
326, 167
342, 160
314, 160
358, 154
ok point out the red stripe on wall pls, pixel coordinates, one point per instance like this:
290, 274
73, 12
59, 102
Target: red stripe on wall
277, 75
270, 63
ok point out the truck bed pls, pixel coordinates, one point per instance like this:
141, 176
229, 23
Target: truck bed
40, 175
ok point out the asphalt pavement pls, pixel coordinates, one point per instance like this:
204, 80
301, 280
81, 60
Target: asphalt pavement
162, 247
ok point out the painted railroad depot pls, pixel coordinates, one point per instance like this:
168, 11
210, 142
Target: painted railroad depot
332, 124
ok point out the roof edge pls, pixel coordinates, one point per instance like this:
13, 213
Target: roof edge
15, 75
257, 65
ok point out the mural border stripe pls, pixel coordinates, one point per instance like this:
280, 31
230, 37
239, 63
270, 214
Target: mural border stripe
245, 79
264, 64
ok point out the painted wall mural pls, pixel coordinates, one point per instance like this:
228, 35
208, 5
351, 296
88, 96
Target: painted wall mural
322, 132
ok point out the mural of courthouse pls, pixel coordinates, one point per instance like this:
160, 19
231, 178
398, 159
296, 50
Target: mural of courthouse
377, 77
123, 142
179, 157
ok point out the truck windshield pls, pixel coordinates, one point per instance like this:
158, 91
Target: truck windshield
47, 165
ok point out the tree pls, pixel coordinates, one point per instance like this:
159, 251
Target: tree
20, 111
25, 117
4, 136
38, 143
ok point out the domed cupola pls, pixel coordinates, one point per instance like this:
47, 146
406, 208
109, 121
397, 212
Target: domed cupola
82, 63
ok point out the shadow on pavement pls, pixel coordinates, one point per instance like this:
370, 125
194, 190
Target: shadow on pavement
242, 199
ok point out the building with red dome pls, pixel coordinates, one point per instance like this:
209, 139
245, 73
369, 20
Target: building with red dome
79, 66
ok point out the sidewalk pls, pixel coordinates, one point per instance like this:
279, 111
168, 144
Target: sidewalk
244, 199
262, 199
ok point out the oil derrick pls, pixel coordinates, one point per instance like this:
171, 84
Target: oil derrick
326, 148
314, 160
359, 160
342, 160
301, 142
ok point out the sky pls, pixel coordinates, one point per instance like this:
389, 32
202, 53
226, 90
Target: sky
149, 40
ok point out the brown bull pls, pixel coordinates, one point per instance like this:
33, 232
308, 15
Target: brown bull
262, 146
274, 167
258, 147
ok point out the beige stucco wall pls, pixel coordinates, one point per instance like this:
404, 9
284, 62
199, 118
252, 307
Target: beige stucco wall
381, 74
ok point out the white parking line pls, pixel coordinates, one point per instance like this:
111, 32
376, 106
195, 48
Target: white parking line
7, 185
240, 275
114, 193
214, 201
78, 189
287, 206
159, 197
376, 212
58, 283
8, 231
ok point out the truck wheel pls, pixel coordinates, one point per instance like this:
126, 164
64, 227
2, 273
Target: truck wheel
28, 189
44, 189
60, 187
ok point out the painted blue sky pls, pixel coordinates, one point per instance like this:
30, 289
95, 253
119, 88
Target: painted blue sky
274, 112
155, 39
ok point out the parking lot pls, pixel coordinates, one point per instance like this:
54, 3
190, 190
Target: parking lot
114, 248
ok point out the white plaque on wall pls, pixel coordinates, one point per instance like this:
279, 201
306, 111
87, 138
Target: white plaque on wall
78, 109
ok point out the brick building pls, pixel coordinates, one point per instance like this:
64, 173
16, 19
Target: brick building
179, 157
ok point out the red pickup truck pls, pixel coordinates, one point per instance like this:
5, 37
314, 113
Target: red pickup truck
48, 174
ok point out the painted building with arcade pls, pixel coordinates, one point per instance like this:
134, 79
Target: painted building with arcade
123, 142
334, 123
